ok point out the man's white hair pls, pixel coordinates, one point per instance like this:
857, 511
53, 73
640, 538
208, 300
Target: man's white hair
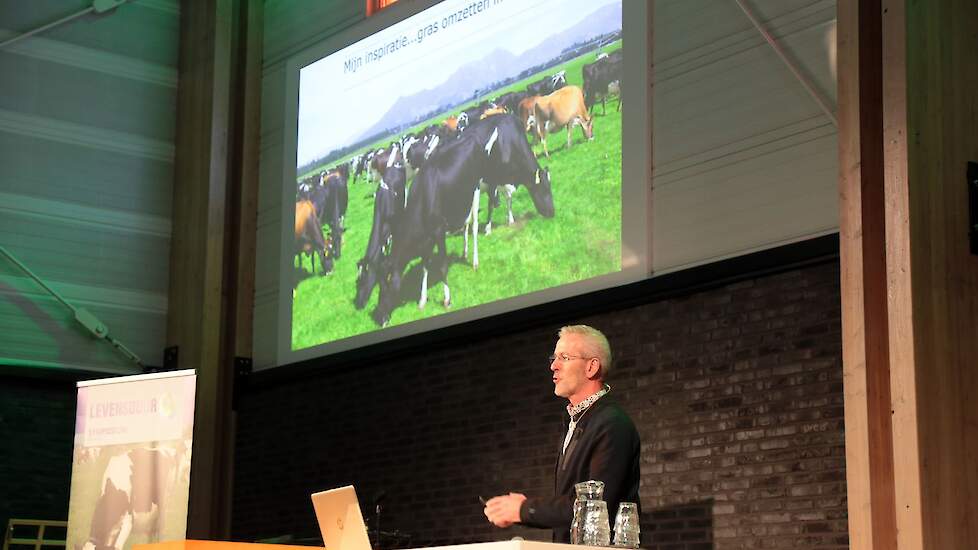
596, 343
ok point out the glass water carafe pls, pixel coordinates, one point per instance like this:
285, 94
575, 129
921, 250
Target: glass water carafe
589, 525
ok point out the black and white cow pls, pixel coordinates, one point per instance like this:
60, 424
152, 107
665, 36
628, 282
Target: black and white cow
415, 155
472, 114
547, 84
558, 80
388, 209
431, 137
517, 166
133, 496
363, 165
384, 158
599, 77
510, 100
331, 198
357, 165
444, 196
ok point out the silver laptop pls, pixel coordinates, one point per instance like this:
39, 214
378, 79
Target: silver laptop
340, 520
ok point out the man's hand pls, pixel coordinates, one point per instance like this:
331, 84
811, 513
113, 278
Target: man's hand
504, 510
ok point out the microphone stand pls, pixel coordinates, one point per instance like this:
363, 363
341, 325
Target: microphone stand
377, 525
378, 499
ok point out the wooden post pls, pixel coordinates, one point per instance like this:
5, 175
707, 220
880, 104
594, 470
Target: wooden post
212, 245
909, 282
931, 105
869, 445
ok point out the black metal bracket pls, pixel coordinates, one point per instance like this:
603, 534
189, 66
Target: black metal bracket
973, 206
171, 358
242, 375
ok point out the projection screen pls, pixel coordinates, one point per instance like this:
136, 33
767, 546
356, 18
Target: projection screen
444, 162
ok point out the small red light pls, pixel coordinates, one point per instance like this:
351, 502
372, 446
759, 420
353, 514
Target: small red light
373, 6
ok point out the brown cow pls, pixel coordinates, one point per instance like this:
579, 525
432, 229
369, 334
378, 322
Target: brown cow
452, 123
492, 111
565, 107
309, 236
525, 111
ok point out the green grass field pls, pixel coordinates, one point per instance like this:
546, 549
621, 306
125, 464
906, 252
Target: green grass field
581, 241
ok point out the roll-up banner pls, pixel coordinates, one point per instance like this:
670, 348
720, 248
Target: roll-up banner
130, 472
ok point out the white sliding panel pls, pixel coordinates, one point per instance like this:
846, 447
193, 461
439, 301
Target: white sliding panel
87, 114
744, 158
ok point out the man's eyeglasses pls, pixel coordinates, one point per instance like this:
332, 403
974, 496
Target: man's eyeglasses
563, 357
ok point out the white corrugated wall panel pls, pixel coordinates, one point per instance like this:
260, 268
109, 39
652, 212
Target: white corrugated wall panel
87, 114
744, 158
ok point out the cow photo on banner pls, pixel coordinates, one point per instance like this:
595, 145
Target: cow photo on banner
130, 475
466, 155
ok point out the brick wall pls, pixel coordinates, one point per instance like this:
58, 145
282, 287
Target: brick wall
736, 391
37, 426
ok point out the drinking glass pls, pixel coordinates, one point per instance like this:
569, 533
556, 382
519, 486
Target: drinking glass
626, 525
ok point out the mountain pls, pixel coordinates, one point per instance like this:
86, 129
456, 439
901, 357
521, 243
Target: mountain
493, 70
459, 86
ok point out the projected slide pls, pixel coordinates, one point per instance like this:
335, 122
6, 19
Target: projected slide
469, 154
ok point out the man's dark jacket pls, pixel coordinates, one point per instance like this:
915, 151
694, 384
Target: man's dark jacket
605, 446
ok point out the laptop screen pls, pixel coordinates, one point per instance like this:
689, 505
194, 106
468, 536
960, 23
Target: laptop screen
340, 520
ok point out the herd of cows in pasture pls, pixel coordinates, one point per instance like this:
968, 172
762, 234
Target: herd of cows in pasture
429, 182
